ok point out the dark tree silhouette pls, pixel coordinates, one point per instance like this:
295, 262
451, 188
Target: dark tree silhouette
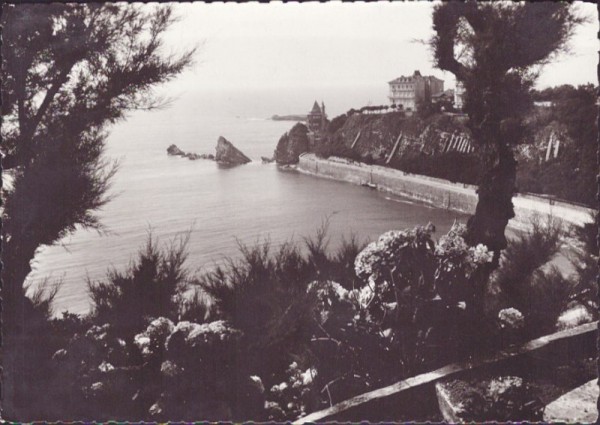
69, 71
492, 49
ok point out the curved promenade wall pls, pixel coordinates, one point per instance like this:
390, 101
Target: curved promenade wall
438, 192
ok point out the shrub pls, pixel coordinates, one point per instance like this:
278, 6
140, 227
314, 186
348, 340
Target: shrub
531, 285
421, 296
265, 296
585, 261
200, 369
338, 122
279, 333
292, 397
148, 289
92, 376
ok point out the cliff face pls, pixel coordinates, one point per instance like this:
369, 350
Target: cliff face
387, 139
228, 154
374, 136
291, 145
537, 147
553, 159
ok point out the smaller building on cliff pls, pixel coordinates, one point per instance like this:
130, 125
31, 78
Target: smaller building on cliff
408, 91
317, 123
317, 118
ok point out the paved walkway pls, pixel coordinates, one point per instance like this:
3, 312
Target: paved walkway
577, 406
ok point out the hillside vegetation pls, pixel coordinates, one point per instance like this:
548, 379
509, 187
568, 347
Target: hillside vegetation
567, 170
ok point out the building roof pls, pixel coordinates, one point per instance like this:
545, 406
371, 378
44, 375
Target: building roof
411, 78
316, 109
448, 93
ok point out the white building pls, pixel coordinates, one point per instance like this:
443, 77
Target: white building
408, 91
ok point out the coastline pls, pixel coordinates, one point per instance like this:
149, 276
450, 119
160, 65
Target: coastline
438, 192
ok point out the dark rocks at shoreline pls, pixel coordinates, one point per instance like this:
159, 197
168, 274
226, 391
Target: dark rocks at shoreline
195, 156
173, 150
227, 154
266, 160
291, 145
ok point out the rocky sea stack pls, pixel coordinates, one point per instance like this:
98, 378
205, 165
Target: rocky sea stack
175, 151
228, 154
291, 145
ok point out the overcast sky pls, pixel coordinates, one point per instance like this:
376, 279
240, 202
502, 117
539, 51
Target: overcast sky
257, 46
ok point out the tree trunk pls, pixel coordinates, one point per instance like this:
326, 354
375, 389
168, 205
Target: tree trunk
494, 207
18, 316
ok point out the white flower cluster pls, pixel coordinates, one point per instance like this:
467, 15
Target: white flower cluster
453, 243
169, 369
289, 394
328, 291
502, 384
511, 318
98, 333
365, 294
480, 254
211, 332
383, 253
155, 334
452, 248
161, 331
257, 383
201, 335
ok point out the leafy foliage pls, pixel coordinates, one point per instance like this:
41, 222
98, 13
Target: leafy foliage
490, 48
572, 175
422, 295
585, 261
531, 284
149, 289
70, 70
272, 335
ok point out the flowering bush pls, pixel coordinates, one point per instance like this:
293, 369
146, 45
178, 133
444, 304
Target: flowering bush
185, 370
379, 258
92, 371
511, 318
528, 280
200, 372
419, 293
151, 341
286, 335
333, 300
290, 399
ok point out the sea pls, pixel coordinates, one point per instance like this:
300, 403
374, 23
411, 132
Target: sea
219, 207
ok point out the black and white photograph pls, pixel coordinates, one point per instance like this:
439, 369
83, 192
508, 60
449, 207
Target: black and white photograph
297, 213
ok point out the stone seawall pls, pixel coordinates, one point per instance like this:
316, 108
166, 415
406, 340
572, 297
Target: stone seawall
438, 192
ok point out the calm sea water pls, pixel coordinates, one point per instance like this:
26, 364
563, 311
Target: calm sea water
250, 203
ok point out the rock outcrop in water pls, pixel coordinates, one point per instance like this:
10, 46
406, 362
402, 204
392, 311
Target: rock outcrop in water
175, 151
228, 154
291, 145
